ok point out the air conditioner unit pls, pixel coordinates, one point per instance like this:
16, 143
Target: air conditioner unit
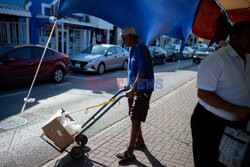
53, 10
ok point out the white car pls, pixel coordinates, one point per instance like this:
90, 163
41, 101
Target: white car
187, 53
99, 58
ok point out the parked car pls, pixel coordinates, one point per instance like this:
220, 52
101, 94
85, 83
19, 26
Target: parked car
173, 52
159, 55
18, 64
202, 53
187, 53
194, 48
201, 45
99, 58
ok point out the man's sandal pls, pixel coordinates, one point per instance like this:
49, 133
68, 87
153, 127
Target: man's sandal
124, 156
139, 146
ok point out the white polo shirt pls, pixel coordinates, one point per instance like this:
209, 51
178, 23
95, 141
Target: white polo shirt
224, 73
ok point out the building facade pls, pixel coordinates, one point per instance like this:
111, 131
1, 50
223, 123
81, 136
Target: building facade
14, 24
28, 22
72, 34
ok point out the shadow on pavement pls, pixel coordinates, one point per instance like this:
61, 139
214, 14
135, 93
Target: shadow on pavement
85, 161
131, 162
150, 157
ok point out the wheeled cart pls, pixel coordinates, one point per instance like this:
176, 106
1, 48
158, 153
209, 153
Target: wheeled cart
77, 152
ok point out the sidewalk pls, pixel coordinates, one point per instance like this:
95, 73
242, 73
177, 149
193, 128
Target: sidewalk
166, 132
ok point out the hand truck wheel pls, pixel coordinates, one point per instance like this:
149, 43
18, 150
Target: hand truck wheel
77, 152
81, 140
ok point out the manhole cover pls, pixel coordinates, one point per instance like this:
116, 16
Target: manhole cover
11, 123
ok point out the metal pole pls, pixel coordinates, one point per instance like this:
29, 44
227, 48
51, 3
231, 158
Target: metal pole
26, 100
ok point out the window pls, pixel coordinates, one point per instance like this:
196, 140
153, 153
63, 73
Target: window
151, 50
112, 50
37, 52
95, 49
163, 51
4, 49
158, 50
119, 50
20, 54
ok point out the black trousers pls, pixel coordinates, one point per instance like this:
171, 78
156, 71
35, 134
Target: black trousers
207, 131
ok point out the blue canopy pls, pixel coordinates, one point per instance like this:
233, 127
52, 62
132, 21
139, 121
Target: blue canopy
150, 18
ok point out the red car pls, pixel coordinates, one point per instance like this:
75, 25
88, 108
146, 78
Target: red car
18, 64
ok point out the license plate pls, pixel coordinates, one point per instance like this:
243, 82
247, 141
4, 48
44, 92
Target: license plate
77, 65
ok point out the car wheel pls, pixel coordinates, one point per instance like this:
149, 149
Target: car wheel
125, 65
58, 75
194, 61
101, 68
77, 152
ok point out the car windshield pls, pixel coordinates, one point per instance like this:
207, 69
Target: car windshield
170, 47
210, 49
4, 49
201, 49
185, 49
151, 49
195, 47
95, 49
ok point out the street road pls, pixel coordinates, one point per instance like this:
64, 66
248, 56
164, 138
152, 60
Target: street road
77, 91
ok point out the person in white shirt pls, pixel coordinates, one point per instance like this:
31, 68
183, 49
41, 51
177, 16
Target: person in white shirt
223, 84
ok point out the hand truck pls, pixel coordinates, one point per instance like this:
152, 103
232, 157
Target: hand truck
77, 152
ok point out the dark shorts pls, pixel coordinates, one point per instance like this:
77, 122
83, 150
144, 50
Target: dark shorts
139, 105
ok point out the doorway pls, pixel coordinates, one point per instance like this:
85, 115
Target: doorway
63, 47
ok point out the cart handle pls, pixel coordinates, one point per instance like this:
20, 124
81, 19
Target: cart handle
117, 93
106, 110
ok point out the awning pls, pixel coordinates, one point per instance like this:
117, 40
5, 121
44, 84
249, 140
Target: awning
150, 18
234, 5
42, 20
14, 10
175, 18
78, 23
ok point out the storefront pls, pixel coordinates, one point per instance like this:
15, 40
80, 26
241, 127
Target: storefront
13, 24
69, 37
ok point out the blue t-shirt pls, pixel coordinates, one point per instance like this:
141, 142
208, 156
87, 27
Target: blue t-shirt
140, 60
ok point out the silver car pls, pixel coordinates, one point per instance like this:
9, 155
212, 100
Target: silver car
187, 53
99, 58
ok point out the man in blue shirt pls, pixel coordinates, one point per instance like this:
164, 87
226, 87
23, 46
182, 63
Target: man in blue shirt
139, 89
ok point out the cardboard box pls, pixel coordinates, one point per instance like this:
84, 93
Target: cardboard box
57, 133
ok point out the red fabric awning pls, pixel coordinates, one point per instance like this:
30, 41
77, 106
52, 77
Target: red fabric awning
211, 21
239, 15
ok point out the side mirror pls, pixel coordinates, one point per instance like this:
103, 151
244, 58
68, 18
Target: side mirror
10, 60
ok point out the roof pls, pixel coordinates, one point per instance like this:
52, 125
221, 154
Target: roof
106, 45
14, 10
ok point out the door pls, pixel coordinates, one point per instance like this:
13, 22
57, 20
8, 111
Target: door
120, 57
63, 47
17, 67
110, 57
48, 63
